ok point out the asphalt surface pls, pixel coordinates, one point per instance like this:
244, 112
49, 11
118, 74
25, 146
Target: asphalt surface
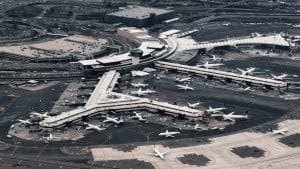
259, 110
194, 159
213, 31
246, 152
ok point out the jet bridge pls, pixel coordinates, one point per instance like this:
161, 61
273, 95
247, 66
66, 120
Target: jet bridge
221, 74
104, 100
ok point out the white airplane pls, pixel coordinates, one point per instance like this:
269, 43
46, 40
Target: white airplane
210, 65
215, 110
256, 34
51, 137
187, 79
248, 71
231, 116
138, 116
139, 73
186, 87
280, 131
157, 153
167, 133
32, 81
247, 89
40, 115
57, 34
226, 24
193, 105
24, 121
197, 127
138, 85
280, 77
214, 58
141, 92
93, 127
113, 120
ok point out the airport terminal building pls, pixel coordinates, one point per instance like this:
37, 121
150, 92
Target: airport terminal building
139, 16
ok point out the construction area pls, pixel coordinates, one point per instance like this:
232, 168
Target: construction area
62, 48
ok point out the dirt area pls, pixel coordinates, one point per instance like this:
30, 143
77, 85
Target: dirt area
36, 87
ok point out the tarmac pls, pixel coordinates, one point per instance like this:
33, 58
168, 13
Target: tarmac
218, 151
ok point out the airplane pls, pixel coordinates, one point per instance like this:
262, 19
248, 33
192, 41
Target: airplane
187, 79
113, 120
210, 65
256, 34
194, 105
231, 116
12, 85
157, 153
248, 71
226, 24
280, 77
51, 137
197, 127
141, 92
57, 34
280, 131
138, 85
215, 110
32, 81
139, 73
168, 134
93, 127
246, 89
138, 116
40, 115
24, 121
214, 58
186, 87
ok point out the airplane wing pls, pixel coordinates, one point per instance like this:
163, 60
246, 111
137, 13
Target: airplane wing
105, 121
241, 70
217, 115
217, 111
152, 154
228, 118
164, 153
